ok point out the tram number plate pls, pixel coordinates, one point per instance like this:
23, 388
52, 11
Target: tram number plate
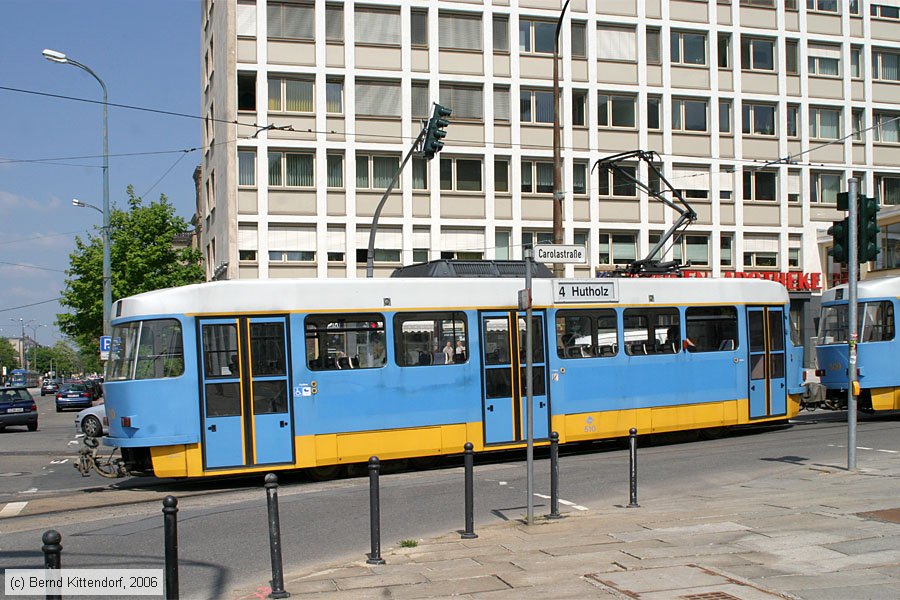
585, 291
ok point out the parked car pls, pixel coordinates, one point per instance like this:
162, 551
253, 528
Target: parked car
50, 386
92, 421
93, 387
73, 395
97, 382
17, 407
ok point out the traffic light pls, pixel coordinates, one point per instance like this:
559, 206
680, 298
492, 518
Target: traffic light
840, 240
435, 132
868, 229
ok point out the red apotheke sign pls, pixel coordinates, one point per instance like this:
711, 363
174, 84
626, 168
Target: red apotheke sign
794, 281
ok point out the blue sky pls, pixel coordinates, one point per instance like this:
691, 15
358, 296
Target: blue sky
147, 53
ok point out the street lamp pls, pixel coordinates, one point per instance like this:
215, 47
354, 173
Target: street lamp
23, 323
34, 346
59, 57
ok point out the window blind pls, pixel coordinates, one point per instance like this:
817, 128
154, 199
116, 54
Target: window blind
420, 104
465, 102
760, 244
824, 51
501, 33
292, 237
247, 236
690, 178
389, 239
377, 98
501, 104
616, 43
460, 32
377, 27
462, 239
246, 20
334, 23
336, 240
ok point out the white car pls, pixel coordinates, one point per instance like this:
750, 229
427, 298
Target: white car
92, 421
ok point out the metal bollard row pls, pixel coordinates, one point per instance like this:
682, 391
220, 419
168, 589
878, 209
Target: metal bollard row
632, 470
275, 537
170, 541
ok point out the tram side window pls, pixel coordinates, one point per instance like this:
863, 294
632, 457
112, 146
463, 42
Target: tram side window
651, 331
586, 333
146, 350
712, 328
345, 341
877, 322
433, 338
220, 351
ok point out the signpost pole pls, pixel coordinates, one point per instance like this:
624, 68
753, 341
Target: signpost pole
529, 381
852, 337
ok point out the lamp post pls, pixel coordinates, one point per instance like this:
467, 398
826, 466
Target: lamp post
23, 323
558, 195
59, 57
34, 346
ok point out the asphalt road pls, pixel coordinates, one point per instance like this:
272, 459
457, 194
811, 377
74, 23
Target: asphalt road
223, 534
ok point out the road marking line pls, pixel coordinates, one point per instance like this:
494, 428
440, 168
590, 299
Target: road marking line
566, 502
889, 451
12, 509
29, 491
865, 448
72, 442
59, 462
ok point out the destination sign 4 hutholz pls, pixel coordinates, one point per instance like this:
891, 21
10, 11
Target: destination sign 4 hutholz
585, 291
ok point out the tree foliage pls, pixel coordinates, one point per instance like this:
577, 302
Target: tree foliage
142, 258
9, 358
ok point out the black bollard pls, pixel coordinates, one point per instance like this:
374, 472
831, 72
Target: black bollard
170, 534
374, 513
52, 550
554, 476
632, 463
275, 537
469, 462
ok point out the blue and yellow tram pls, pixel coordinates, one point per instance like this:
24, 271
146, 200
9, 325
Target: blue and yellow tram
877, 348
244, 376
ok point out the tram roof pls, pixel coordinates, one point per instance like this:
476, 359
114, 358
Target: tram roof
292, 295
882, 287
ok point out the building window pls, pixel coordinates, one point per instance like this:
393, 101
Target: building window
613, 183
692, 182
248, 243
537, 177
419, 174
467, 101
726, 183
246, 167
792, 57
530, 239
616, 43
887, 127
536, 106
501, 33
654, 103
725, 116
824, 123
419, 27
378, 98
824, 187
760, 185
334, 23
334, 96
887, 187
290, 21
536, 37
335, 168
579, 178
759, 119
726, 252
794, 249
579, 108
460, 32
856, 62
885, 66
653, 52
688, 48
688, 115
579, 39
757, 54
246, 19
246, 95
290, 95
501, 175
501, 103
793, 186
288, 169
822, 5
883, 11
859, 124
793, 120
693, 250
461, 174
375, 172
377, 27
761, 252
617, 248
292, 243
616, 111
824, 60
889, 242
724, 41
421, 104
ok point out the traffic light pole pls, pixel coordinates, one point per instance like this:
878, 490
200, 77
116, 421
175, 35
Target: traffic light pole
853, 275
370, 253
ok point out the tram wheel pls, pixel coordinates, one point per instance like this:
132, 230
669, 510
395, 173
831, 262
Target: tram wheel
712, 433
325, 473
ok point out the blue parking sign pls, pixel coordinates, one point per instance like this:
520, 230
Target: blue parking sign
105, 343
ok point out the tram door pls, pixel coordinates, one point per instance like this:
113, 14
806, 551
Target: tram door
247, 417
505, 392
768, 393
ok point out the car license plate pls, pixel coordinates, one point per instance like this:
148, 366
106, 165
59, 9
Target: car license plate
15, 410
73, 396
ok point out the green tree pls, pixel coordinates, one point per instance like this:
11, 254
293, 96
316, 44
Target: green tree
61, 356
142, 258
9, 358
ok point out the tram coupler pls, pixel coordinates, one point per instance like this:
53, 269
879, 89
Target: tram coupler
111, 468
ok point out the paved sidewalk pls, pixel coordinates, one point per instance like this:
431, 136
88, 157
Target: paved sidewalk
811, 532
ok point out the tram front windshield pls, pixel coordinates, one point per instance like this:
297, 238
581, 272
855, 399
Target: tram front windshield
875, 323
150, 349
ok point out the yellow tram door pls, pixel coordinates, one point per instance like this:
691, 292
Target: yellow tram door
246, 407
767, 387
504, 378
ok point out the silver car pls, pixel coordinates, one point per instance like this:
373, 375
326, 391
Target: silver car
92, 421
